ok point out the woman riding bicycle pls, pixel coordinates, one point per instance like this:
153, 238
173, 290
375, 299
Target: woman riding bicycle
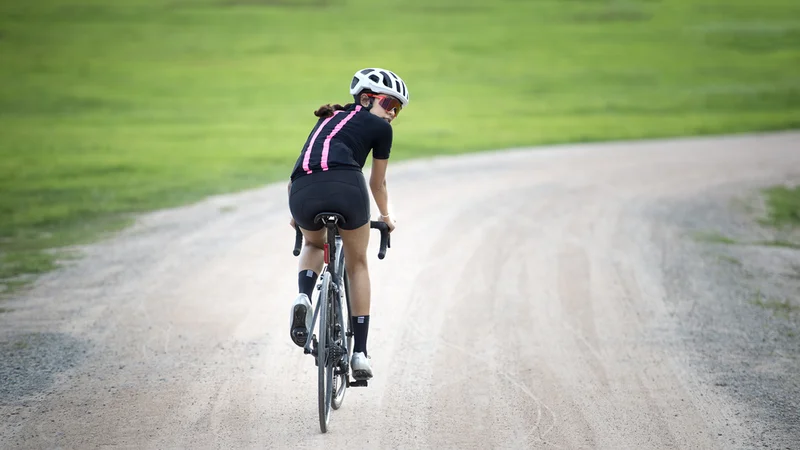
328, 177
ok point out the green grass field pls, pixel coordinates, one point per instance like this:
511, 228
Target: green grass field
114, 107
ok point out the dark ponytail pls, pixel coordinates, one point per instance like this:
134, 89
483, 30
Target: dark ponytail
326, 111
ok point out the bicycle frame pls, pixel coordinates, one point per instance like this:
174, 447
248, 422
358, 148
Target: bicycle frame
334, 241
335, 284
331, 349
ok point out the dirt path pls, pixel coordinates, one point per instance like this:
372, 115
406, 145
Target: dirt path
525, 303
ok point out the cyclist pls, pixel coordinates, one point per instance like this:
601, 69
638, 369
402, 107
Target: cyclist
328, 177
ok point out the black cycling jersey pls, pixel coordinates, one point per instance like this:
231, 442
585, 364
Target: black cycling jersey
343, 141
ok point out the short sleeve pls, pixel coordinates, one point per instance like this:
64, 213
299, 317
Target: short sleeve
382, 145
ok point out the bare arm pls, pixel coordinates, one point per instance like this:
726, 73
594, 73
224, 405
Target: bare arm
289, 190
377, 184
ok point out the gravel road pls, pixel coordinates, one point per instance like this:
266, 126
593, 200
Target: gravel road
556, 297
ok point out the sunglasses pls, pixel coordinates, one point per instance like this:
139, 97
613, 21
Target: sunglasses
388, 103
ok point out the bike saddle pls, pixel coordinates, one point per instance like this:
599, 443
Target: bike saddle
325, 217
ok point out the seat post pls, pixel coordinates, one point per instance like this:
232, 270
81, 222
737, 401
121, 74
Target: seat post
331, 244
331, 220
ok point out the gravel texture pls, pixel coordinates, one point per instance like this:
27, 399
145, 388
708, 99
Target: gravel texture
739, 307
557, 297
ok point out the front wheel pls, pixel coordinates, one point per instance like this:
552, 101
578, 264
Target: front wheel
344, 339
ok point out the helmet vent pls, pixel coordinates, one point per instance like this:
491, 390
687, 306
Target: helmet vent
374, 78
386, 81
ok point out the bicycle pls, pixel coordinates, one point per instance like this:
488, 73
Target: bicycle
333, 348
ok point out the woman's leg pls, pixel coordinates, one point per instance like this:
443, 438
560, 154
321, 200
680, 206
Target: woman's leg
310, 265
355, 254
311, 258
355, 260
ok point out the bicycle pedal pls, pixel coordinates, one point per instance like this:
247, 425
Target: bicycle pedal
358, 383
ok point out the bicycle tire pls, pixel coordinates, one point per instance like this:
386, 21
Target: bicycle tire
342, 317
348, 317
324, 370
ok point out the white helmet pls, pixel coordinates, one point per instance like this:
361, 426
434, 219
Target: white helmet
380, 81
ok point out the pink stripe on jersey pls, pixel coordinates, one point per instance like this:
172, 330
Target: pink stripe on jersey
307, 158
326, 146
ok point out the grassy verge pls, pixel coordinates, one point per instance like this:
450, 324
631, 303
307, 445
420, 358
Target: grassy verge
783, 206
782, 308
782, 213
111, 108
713, 237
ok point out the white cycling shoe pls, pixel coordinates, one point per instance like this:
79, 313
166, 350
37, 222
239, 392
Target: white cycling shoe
300, 320
360, 366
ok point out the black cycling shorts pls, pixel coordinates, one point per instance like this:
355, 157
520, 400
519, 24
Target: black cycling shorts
340, 191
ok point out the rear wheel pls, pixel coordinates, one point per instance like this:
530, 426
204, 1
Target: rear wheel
324, 366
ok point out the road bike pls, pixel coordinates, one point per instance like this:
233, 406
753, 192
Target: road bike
332, 345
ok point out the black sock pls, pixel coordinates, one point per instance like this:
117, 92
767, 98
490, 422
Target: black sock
360, 330
306, 281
